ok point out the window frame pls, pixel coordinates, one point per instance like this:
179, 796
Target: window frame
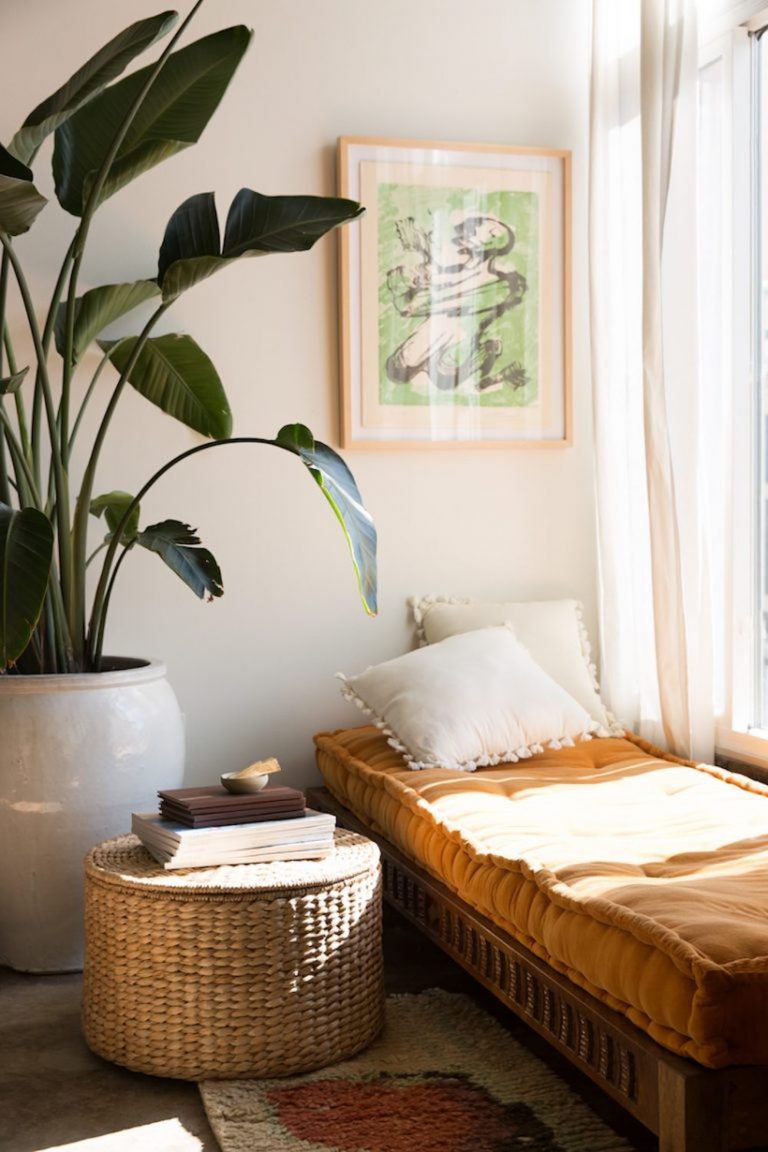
735, 734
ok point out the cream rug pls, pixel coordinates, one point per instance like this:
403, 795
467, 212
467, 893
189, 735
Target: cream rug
444, 1076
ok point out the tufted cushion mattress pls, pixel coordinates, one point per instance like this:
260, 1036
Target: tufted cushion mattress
642, 878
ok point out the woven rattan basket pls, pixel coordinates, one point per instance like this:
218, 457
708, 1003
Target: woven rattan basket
242, 971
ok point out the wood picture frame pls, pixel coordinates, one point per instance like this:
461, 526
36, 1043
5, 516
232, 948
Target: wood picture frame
455, 295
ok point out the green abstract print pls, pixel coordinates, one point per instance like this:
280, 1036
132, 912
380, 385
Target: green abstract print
458, 272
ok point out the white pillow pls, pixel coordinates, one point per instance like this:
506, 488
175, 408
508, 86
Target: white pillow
553, 631
467, 702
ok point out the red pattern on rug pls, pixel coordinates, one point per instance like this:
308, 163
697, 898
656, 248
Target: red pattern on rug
430, 1112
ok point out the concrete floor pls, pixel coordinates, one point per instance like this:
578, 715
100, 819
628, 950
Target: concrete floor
54, 1091
55, 1094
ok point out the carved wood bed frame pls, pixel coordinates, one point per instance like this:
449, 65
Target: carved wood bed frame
689, 1107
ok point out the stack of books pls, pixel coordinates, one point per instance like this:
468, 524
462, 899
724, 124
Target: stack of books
206, 826
211, 806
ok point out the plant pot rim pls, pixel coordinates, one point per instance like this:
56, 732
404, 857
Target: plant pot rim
123, 671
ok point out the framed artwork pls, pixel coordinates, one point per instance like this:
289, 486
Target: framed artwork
455, 295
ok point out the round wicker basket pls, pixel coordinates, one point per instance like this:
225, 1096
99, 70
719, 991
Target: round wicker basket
251, 970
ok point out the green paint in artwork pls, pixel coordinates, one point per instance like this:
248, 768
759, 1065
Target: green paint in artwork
458, 296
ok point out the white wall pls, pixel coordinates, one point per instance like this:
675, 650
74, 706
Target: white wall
255, 671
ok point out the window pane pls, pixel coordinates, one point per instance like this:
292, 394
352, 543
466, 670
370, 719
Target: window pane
761, 355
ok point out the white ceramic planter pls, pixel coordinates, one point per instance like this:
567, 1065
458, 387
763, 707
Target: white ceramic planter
78, 754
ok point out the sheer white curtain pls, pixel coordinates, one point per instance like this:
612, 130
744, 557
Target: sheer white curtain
656, 662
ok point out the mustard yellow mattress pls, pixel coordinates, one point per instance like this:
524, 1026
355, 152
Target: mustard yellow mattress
642, 878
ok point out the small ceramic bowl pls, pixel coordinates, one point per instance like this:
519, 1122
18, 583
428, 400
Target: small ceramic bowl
232, 783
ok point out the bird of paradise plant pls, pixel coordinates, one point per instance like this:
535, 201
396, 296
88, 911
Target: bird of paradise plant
107, 132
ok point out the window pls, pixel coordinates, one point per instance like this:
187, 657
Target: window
733, 360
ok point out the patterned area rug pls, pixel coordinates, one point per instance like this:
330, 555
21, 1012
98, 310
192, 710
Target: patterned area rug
443, 1077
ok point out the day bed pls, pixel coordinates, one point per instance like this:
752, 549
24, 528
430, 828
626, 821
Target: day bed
439, 888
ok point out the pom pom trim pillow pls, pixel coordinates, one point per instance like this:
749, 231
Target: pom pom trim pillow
553, 631
470, 701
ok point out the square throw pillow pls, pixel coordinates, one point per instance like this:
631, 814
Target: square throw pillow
553, 631
467, 702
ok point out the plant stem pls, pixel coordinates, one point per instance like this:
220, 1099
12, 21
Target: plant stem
25, 479
5, 487
95, 552
107, 598
50, 323
103, 593
69, 342
49, 646
83, 506
62, 481
65, 656
57, 636
8, 442
21, 415
86, 399
53, 307
76, 426
3, 298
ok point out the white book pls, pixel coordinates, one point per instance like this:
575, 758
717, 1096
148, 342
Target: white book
306, 850
178, 840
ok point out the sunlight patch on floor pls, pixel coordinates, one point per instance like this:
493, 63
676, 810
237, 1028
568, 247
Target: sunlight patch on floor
164, 1136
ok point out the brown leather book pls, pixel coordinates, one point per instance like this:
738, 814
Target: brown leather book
211, 806
218, 820
216, 796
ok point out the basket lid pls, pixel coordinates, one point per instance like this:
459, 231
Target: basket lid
124, 861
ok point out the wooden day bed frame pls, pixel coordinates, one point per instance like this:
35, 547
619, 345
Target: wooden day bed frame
689, 1107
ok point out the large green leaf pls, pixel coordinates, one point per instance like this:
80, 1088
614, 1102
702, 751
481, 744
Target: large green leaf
257, 225
97, 72
26, 546
180, 548
95, 309
174, 373
172, 117
20, 201
265, 224
341, 491
191, 248
113, 506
